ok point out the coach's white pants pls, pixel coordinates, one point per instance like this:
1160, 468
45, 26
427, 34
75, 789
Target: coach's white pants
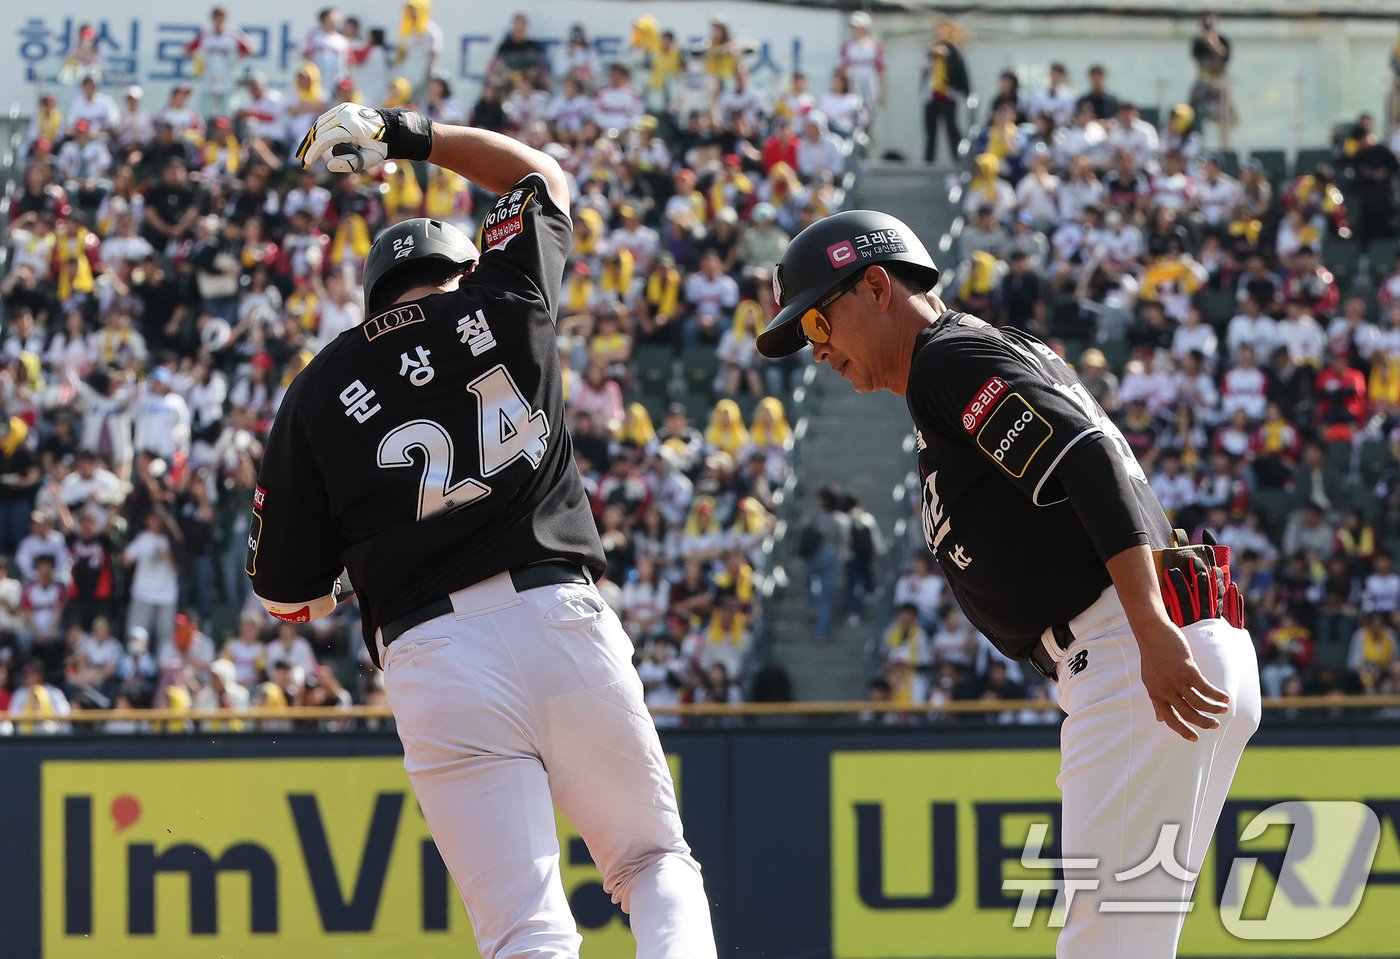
518, 702
1126, 778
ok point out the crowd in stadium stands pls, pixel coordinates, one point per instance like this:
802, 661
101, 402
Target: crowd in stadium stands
1240, 326
169, 273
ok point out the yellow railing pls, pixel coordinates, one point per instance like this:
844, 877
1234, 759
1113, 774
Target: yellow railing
813, 708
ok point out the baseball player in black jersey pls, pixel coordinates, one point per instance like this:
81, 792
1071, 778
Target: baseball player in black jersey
425, 453
1056, 548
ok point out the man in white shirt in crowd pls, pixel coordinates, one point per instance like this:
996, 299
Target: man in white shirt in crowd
134, 126
1217, 195
618, 105
1174, 487
636, 238
1135, 135
125, 243
307, 195
90, 486
1302, 334
662, 679
36, 699
155, 582
222, 692
11, 615
265, 114
740, 99
220, 47
291, 647
41, 605
1251, 326
819, 151
180, 115
1173, 187
98, 109
327, 47
162, 419
42, 540
1244, 386
1381, 590
1084, 136
341, 309
1057, 100
84, 164
711, 294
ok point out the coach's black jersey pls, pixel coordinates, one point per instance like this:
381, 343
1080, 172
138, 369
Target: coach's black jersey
996, 412
425, 450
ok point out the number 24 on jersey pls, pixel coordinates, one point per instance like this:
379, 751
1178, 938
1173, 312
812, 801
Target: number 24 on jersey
508, 430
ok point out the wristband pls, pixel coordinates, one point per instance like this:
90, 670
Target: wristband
408, 134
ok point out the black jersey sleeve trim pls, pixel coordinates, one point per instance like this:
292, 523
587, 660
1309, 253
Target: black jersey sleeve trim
542, 194
1088, 433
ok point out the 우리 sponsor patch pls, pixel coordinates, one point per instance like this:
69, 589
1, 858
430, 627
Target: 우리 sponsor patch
1013, 434
983, 402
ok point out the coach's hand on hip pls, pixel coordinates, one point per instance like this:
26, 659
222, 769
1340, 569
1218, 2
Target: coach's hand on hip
1181, 695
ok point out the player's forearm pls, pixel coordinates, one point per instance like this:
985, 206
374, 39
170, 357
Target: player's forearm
495, 161
1135, 578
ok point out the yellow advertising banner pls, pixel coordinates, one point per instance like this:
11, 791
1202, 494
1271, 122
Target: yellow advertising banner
325, 858
923, 842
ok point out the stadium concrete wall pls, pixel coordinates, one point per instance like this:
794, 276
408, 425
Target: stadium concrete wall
848, 843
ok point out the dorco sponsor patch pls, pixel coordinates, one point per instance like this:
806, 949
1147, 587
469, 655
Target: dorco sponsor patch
1013, 434
983, 402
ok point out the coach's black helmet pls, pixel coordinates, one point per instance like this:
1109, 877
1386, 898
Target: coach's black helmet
826, 253
413, 241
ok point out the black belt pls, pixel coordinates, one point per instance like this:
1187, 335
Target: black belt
1040, 656
553, 573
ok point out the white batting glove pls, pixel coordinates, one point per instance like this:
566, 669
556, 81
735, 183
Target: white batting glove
351, 136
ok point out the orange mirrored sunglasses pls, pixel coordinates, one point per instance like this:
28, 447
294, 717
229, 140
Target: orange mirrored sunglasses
816, 328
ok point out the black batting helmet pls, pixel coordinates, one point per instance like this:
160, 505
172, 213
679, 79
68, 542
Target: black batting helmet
413, 241
829, 251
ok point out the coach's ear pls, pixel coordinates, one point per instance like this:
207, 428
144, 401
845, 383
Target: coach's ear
881, 286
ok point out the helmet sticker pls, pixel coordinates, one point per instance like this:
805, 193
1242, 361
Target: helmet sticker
880, 243
841, 254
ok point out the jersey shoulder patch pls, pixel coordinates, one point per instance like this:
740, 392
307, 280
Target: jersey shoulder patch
1013, 434
506, 219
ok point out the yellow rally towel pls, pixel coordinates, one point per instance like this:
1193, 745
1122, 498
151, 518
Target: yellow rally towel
351, 239
74, 271
403, 195
772, 428
415, 18
664, 291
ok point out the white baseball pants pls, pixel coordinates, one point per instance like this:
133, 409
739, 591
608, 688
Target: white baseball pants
1129, 781
519, 702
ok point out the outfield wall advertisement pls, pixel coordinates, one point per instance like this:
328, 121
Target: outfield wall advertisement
847, 844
